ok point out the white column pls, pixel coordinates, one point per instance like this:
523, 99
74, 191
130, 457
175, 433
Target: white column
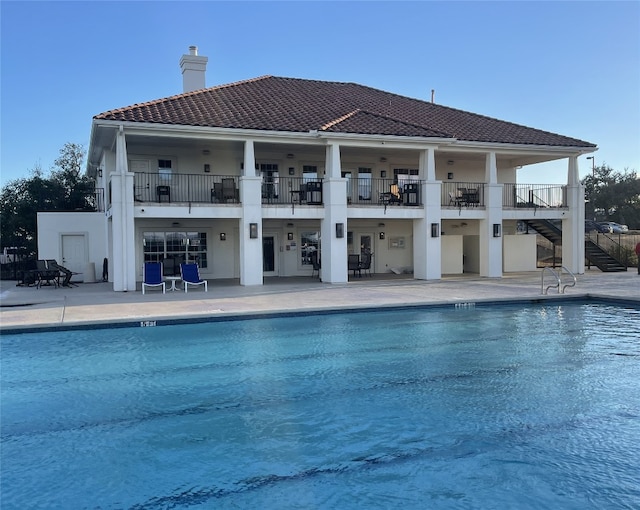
251, 249
490, 245
333, 255
573, 224
490, 168
123, 257
249, 164
332, 164
427, 249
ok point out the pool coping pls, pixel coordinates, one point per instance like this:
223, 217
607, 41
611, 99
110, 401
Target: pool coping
350, 308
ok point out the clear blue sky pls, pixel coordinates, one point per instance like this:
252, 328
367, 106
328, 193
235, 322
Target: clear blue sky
572, 68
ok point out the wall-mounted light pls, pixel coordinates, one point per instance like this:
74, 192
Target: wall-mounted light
292, 170
435, 230
223, 236
253, 230
289, 236
383, 173
381, 235
450, 175
99, 172
207, 168
381, 224
339, 230
497, 230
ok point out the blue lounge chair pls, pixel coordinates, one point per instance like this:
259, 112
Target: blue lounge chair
191, 276
152, 276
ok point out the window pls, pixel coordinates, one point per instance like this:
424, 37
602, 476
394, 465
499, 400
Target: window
181, 246
270, 180
364, 183
405, 175
309, 173
164, 169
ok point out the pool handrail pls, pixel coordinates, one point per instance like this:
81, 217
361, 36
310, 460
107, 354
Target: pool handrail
558, 277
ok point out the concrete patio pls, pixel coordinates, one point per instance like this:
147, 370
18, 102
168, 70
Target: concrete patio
96, 303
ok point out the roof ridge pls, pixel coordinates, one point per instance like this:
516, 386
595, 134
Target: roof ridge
338, 120
400, 121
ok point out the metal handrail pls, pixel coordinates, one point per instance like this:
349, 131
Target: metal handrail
558, 278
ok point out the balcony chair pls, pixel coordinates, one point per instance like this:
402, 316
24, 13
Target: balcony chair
163, 191
229, 190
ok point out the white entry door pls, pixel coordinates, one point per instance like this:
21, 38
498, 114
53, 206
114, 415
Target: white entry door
74, 256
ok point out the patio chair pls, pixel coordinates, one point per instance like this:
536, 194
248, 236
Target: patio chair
46, 275
152, 276
455, 199
365, 263
68, 274
191, 276
353, 264
229, 190
315, 264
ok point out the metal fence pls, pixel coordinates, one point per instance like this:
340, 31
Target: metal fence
534, 195
157, 187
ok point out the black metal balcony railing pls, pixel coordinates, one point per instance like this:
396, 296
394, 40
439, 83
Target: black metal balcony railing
463, 194
534, 195
194, 188
292, 190
225, 189
361, 191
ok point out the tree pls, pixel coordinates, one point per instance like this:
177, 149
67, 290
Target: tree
613, 196
66, 189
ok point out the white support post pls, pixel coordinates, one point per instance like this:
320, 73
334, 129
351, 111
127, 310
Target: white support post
251, 248
333, 255
123, 256
427, 258
249, 165
491, 225
573, 225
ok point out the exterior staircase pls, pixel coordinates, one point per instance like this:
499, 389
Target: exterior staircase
592, 251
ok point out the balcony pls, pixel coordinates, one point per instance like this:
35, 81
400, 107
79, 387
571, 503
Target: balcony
463, 194
384, 192
291, 190
193, 188
533, 196
225, 189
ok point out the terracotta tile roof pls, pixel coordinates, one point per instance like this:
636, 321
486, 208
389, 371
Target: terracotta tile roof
297, 105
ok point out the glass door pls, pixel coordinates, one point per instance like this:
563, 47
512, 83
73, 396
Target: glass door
270, 254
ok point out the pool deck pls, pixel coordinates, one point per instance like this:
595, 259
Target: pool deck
97, 303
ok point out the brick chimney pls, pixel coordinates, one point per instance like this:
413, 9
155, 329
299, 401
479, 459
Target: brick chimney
193, 69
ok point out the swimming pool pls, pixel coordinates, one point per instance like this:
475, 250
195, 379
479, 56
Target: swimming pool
534, 406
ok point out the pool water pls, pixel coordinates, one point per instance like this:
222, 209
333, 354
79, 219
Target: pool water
483, 407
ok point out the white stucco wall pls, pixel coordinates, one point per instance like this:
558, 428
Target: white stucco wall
451, 254
519, 253
53, 226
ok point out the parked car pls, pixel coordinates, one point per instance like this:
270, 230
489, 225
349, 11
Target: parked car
616, 228
590, 226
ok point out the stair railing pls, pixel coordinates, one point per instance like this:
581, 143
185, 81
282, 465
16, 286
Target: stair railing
558, 280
